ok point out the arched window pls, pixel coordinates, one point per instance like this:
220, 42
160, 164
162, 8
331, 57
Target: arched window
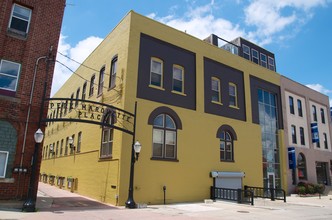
226, 135
164, 137
114, 67
301, 167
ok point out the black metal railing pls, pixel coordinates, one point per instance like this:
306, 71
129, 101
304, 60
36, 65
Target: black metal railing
238, 195
270, 193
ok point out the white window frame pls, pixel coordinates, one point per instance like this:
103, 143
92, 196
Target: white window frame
254, 57
263, 62
9, 75
4, 163
20, 18
244, 51
180, 68
154, 59
233, 95
271, 63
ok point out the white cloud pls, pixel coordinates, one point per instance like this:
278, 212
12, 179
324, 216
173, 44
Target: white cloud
321, 89
78, 53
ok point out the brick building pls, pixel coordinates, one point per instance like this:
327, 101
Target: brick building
29, 35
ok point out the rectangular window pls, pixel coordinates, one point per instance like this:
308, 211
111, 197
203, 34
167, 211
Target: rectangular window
61, 148
72, 146
20, 19
322, 114
84, 91
170, 149
216, 91
271, 64
57, 149
77, 96
314, 113
254, 54
3, 163
178, 72
158, 143
325, 141
66, 107
246, 52
79, 140
9, 74
114, 67
232, 94
101, 81
71, 102
263, 60
107, 143
294, 141
291, 105
156, 72
299, 108
92, 85
66, 147
302, 136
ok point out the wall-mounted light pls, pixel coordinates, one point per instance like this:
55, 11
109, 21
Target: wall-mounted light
71, 143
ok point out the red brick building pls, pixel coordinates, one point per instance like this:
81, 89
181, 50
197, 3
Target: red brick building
29, 35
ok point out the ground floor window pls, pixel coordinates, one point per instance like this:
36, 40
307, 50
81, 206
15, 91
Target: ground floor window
301, 167
3, 163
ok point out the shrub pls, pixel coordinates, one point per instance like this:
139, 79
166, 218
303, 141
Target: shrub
310, 189
301, 190
319, 188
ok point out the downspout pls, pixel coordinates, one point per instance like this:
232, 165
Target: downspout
28, 117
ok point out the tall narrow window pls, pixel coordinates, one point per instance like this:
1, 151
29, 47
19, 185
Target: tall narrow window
156, 72
291, 105
92, 85
114, 68
164, 137
314, 113
293, 129
325, 141
263, 60
322, 114
178, 72
20, 19
301, 167
302, 136
71, 147
77, 96
271, 64
9, 74
226, 147
61, 147
254, 54
57, 149
71, 102
216, 91
299, 108
79, 141
246, 52
66, 147
3, 163
232, 95
101, 81
84, 91
107, 140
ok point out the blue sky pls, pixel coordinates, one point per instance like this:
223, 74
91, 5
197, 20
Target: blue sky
296, 31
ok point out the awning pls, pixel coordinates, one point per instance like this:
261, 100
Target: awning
218, 174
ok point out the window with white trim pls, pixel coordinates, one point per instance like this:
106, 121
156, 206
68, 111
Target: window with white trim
84, 91
263, 60
255, 57
232, 95
271, 64
20, 19
156, 72
293, 130
9, 74
178, 82
215, 89
246, 51
114, 67
226, 147
101, 81
3, 163
107, 139
92, 85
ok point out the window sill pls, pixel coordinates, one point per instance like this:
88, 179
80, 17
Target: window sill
102, 159
217, 103
179, 93
156, 87
17, 34
228, 161
233, 106
164, 159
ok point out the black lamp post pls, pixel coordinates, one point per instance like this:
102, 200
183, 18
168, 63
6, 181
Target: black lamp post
30, 204
135, 150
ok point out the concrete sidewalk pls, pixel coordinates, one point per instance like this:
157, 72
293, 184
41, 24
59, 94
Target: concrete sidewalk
54, 203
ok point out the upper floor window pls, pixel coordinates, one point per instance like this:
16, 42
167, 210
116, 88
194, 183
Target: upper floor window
79, 141
314, 113
71, 102
156, 72
20, 19
61, 147
232, 94
325, 141
77, 96
291, 105
84, 91
72, 149
107, 139
293, 130
92, 85
9, 74
216, 91
299, 108
254, 54
246, 52
302, 136
178, 82
101, 81
263, 60
114, 68
322, 114
271, 64
164, 137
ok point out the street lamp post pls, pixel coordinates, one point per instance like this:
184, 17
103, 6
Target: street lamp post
135, 150
30, 204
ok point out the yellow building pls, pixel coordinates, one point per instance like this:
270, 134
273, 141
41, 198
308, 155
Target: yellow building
200, 108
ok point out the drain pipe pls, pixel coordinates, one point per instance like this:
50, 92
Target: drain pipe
164, 189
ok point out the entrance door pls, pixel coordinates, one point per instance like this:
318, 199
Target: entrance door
321, 171
271, 180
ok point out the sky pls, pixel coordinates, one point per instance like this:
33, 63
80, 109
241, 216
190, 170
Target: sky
298, 32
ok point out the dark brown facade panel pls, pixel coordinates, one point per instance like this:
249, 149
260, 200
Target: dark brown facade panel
226, 75
255, 84
170, 55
